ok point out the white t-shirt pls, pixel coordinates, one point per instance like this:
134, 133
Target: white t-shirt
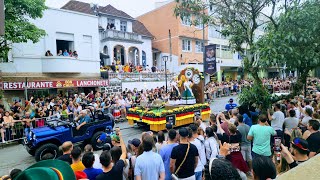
305, 120
203, 126
212, 148
125, 172
297, 113
277, 120
97, 163
232, 120
202, 154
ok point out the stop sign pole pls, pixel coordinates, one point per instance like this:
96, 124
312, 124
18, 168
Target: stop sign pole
1, 17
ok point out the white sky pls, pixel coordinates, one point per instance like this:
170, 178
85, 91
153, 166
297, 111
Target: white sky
132, 7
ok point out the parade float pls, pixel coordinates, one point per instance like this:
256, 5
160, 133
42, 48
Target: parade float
186, 102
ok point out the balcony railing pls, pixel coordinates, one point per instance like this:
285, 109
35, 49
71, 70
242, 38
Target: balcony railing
119, 35
132, 77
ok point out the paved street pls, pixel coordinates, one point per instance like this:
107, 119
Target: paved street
15, 156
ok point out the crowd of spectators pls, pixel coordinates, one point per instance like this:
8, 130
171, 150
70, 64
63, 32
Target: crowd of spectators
17, 119
214, 89
130, 68
220, 149
65, 53
235, 144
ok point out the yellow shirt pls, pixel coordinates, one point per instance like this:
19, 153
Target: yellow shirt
77, 166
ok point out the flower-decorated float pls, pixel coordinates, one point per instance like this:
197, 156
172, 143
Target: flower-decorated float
186, 101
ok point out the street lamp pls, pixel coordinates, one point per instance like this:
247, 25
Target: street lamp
165, 59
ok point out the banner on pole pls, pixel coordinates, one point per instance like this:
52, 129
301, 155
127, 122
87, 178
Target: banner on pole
210, 63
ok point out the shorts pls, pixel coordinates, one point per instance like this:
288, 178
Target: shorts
246, 152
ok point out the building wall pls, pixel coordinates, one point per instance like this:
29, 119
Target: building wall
189, 57
28, 57
143, 85
158, 22
147, 48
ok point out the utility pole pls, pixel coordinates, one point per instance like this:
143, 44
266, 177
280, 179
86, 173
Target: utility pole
26, 88
2, 18
204, 54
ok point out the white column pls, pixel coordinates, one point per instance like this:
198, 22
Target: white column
140, 57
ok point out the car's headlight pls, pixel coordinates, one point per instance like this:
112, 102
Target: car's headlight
30, 135
34, 137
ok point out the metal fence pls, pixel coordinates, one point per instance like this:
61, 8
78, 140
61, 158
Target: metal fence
18, 129
139, 76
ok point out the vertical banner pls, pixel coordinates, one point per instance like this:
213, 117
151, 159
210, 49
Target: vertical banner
210, 64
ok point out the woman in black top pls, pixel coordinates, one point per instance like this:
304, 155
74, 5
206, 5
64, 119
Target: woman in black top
234, 139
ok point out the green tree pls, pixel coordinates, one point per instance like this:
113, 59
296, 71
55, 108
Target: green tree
17, 25
242, 22
295, 42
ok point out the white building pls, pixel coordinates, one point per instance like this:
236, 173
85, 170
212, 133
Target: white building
125, 39
63, 31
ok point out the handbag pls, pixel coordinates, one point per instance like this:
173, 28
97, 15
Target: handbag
174, 175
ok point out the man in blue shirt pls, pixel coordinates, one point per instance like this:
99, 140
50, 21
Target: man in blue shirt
231, 105
83, 119
87, 161
149, 165
165, 152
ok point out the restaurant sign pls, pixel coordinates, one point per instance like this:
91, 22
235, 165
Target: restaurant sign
53, 84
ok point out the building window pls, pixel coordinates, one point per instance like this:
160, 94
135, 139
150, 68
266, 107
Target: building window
218, 51
123, 26
226, 52
214, 32
199, 22
186, 45
199, 47
111, 24
186, 20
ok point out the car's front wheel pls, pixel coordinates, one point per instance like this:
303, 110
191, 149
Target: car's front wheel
31, 152
47, 151
94, 141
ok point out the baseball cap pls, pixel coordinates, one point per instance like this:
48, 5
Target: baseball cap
48, 169
300, 144
115, 138
136, 142
230, 100
183, 132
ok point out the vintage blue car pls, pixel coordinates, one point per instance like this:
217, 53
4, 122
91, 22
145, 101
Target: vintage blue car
45, 141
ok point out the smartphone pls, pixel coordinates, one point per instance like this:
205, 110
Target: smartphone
277, 144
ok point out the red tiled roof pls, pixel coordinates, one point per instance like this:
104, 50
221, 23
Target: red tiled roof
85, 8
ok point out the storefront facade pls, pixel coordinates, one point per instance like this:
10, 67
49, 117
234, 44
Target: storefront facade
16, 91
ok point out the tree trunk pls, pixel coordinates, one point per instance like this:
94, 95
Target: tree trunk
301, 84
256, 77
